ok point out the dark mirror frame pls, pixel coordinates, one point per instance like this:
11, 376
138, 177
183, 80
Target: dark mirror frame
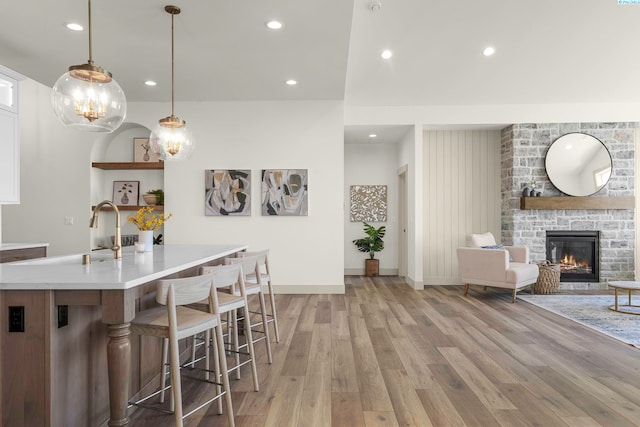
572, 152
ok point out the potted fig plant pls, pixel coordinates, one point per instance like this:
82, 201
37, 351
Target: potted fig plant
372, 243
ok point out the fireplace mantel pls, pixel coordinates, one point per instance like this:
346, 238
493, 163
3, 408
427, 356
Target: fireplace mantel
570, 202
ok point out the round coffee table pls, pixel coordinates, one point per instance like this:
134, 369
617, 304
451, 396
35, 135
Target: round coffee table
626, 286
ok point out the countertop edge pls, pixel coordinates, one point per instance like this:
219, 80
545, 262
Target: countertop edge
100, 281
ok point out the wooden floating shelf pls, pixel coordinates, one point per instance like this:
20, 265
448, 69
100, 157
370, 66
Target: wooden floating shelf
127, 165
130, 208
569, 202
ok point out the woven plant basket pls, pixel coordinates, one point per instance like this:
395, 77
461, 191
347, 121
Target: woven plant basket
548, 279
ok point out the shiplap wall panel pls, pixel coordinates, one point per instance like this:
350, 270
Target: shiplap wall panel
461, 196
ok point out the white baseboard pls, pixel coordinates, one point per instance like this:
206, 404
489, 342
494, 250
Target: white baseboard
360, 272
308, 289
418, 286
442, 281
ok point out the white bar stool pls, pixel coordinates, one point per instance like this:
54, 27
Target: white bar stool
174, 321
250, 266
262, 278
231, 277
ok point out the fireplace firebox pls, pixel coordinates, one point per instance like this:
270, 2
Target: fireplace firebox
577, 252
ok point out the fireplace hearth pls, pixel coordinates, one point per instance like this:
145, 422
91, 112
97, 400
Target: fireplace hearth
577, 252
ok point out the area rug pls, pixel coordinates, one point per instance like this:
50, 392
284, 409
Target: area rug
593, 312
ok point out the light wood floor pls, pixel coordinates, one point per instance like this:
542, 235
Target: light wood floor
386, 355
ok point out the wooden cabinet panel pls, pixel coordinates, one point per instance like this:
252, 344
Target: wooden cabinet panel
25, 360
22, 254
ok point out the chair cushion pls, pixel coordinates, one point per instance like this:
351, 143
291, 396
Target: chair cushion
520, 274
480, 240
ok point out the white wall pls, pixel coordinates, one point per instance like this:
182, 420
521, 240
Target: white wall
462, 196
54, 178
306, 252
410, 155
371, 164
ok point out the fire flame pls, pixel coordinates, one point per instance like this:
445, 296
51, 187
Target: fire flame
569, 262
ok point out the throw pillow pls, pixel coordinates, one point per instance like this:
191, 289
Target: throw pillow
480, 240
493, 247
497, 247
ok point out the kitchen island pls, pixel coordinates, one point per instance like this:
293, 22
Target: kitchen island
70, 333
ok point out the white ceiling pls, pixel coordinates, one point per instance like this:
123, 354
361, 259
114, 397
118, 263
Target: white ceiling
547, 51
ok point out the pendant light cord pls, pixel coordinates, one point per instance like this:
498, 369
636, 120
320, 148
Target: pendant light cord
90, 49
172, 67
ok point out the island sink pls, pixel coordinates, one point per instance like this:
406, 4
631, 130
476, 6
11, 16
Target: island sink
75, 259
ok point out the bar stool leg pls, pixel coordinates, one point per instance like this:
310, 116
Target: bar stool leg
265, 325
176, 387
272, 299
163, 368
225, 376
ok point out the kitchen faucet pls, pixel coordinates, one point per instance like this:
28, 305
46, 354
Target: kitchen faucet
117, 243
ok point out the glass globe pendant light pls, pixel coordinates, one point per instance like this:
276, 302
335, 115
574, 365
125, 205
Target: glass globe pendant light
171, 139
87, 98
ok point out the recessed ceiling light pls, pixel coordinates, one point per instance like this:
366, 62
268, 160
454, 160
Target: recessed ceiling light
150, 83
273, 25
291, 82
488, 51
386, 54
373, 135
75, 27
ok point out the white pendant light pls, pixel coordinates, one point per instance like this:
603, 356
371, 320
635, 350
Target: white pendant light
87, 98
171, 139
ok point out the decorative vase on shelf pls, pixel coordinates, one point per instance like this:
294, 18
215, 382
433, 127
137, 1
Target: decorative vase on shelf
150, 199
146, 237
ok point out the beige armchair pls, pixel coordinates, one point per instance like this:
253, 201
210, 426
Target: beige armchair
507, 268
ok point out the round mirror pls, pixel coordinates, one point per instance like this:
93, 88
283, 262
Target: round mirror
578, 164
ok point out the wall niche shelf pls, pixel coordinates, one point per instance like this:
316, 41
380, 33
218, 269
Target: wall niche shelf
570, 202
127, 165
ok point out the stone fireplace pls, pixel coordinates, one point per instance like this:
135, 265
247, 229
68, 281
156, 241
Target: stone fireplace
523, 150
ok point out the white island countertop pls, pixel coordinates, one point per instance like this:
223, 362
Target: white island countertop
104, 272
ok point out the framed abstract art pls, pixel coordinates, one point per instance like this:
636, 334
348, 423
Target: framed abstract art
368, 203
285, 192
227, 192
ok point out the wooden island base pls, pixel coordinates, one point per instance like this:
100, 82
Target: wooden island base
84, 373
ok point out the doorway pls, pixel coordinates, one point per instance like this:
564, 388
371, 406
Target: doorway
403, 222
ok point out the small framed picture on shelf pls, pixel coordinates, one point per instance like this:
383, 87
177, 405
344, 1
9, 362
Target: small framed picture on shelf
125, 193
142, 152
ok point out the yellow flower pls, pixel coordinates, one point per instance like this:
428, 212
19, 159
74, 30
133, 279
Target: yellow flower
146, 219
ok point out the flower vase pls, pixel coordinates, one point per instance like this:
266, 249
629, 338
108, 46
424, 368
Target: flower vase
146, 237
